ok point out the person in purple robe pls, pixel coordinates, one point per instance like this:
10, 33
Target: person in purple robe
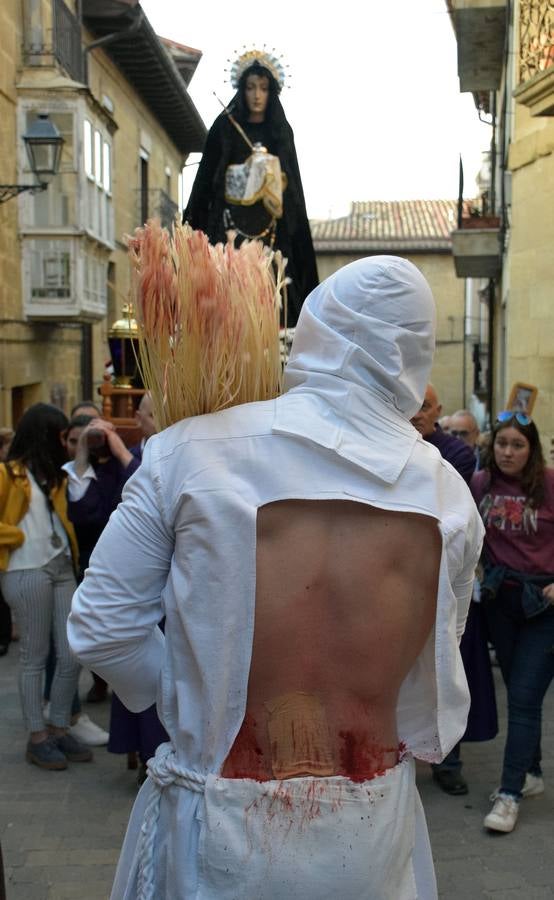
482, 722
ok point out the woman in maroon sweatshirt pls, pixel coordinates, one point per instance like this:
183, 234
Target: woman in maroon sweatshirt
515, 495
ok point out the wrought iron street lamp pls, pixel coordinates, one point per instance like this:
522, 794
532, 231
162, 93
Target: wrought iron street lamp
43, 143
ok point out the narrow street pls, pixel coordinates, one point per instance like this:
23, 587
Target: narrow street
61, 831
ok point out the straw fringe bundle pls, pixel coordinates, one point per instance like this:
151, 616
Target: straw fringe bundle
208, 320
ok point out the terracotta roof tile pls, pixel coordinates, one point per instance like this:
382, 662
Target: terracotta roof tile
168, 42
384, 225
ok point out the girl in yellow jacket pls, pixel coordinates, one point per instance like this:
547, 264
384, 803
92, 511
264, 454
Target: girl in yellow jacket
38, 555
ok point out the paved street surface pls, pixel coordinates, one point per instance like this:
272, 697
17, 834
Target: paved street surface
61, 831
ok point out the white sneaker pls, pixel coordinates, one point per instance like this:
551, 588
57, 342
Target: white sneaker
534, 785
503, 815
87, 732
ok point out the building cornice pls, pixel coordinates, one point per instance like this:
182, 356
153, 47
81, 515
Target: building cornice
148, 67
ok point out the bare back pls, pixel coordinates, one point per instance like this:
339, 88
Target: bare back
345, 601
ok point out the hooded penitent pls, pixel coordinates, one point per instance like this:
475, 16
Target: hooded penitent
360, 361
183, 544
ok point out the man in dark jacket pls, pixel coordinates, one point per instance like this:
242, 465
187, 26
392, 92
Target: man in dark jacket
451, 448
482, 720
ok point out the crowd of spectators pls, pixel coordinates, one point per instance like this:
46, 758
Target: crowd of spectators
60, 480
511, 618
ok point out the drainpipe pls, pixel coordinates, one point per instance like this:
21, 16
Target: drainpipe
115, 36
490, 350
492, 210
492, 285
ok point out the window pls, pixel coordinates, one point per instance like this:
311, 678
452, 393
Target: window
67, 39
106, 168
98, 157
50, 269
88, 148
97, 207
64, 278
95, 287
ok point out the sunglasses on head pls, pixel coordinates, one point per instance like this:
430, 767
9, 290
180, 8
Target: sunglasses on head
508, 414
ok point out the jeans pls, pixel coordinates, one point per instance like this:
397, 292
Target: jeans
525, 653
452, 761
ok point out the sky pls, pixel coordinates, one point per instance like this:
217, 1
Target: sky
371, 93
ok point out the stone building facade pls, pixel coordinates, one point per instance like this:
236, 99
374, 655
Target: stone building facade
118, 95
506, 60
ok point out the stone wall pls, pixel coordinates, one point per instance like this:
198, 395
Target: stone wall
43, 361
448, 369
529, 312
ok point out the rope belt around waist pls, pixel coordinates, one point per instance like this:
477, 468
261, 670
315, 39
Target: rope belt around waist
163, 770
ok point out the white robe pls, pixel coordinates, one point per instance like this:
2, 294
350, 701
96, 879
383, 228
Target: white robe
183, 545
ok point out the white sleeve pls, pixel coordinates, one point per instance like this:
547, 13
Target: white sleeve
115, 612
463, 584
78, 485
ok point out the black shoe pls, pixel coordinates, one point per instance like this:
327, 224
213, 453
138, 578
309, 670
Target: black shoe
97, 695
450, 782
4, 649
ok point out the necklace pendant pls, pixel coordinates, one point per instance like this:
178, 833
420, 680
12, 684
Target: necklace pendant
55, 540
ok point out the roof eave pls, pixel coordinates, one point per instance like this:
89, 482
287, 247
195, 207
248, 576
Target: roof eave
147, 65
382, 246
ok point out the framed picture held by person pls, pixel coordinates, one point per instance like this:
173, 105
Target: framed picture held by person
522, 398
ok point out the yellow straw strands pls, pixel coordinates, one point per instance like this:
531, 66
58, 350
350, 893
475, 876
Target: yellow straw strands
208, 320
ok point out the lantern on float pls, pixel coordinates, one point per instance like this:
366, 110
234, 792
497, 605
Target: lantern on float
124, 349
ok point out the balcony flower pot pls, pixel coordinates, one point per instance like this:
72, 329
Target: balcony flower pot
480, 222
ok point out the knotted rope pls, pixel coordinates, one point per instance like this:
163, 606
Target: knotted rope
164, 770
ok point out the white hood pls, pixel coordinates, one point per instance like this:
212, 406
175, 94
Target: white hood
362, 351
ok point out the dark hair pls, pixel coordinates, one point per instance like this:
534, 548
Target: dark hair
532, 476
80, 421
37, 443
84, 403
274, 114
